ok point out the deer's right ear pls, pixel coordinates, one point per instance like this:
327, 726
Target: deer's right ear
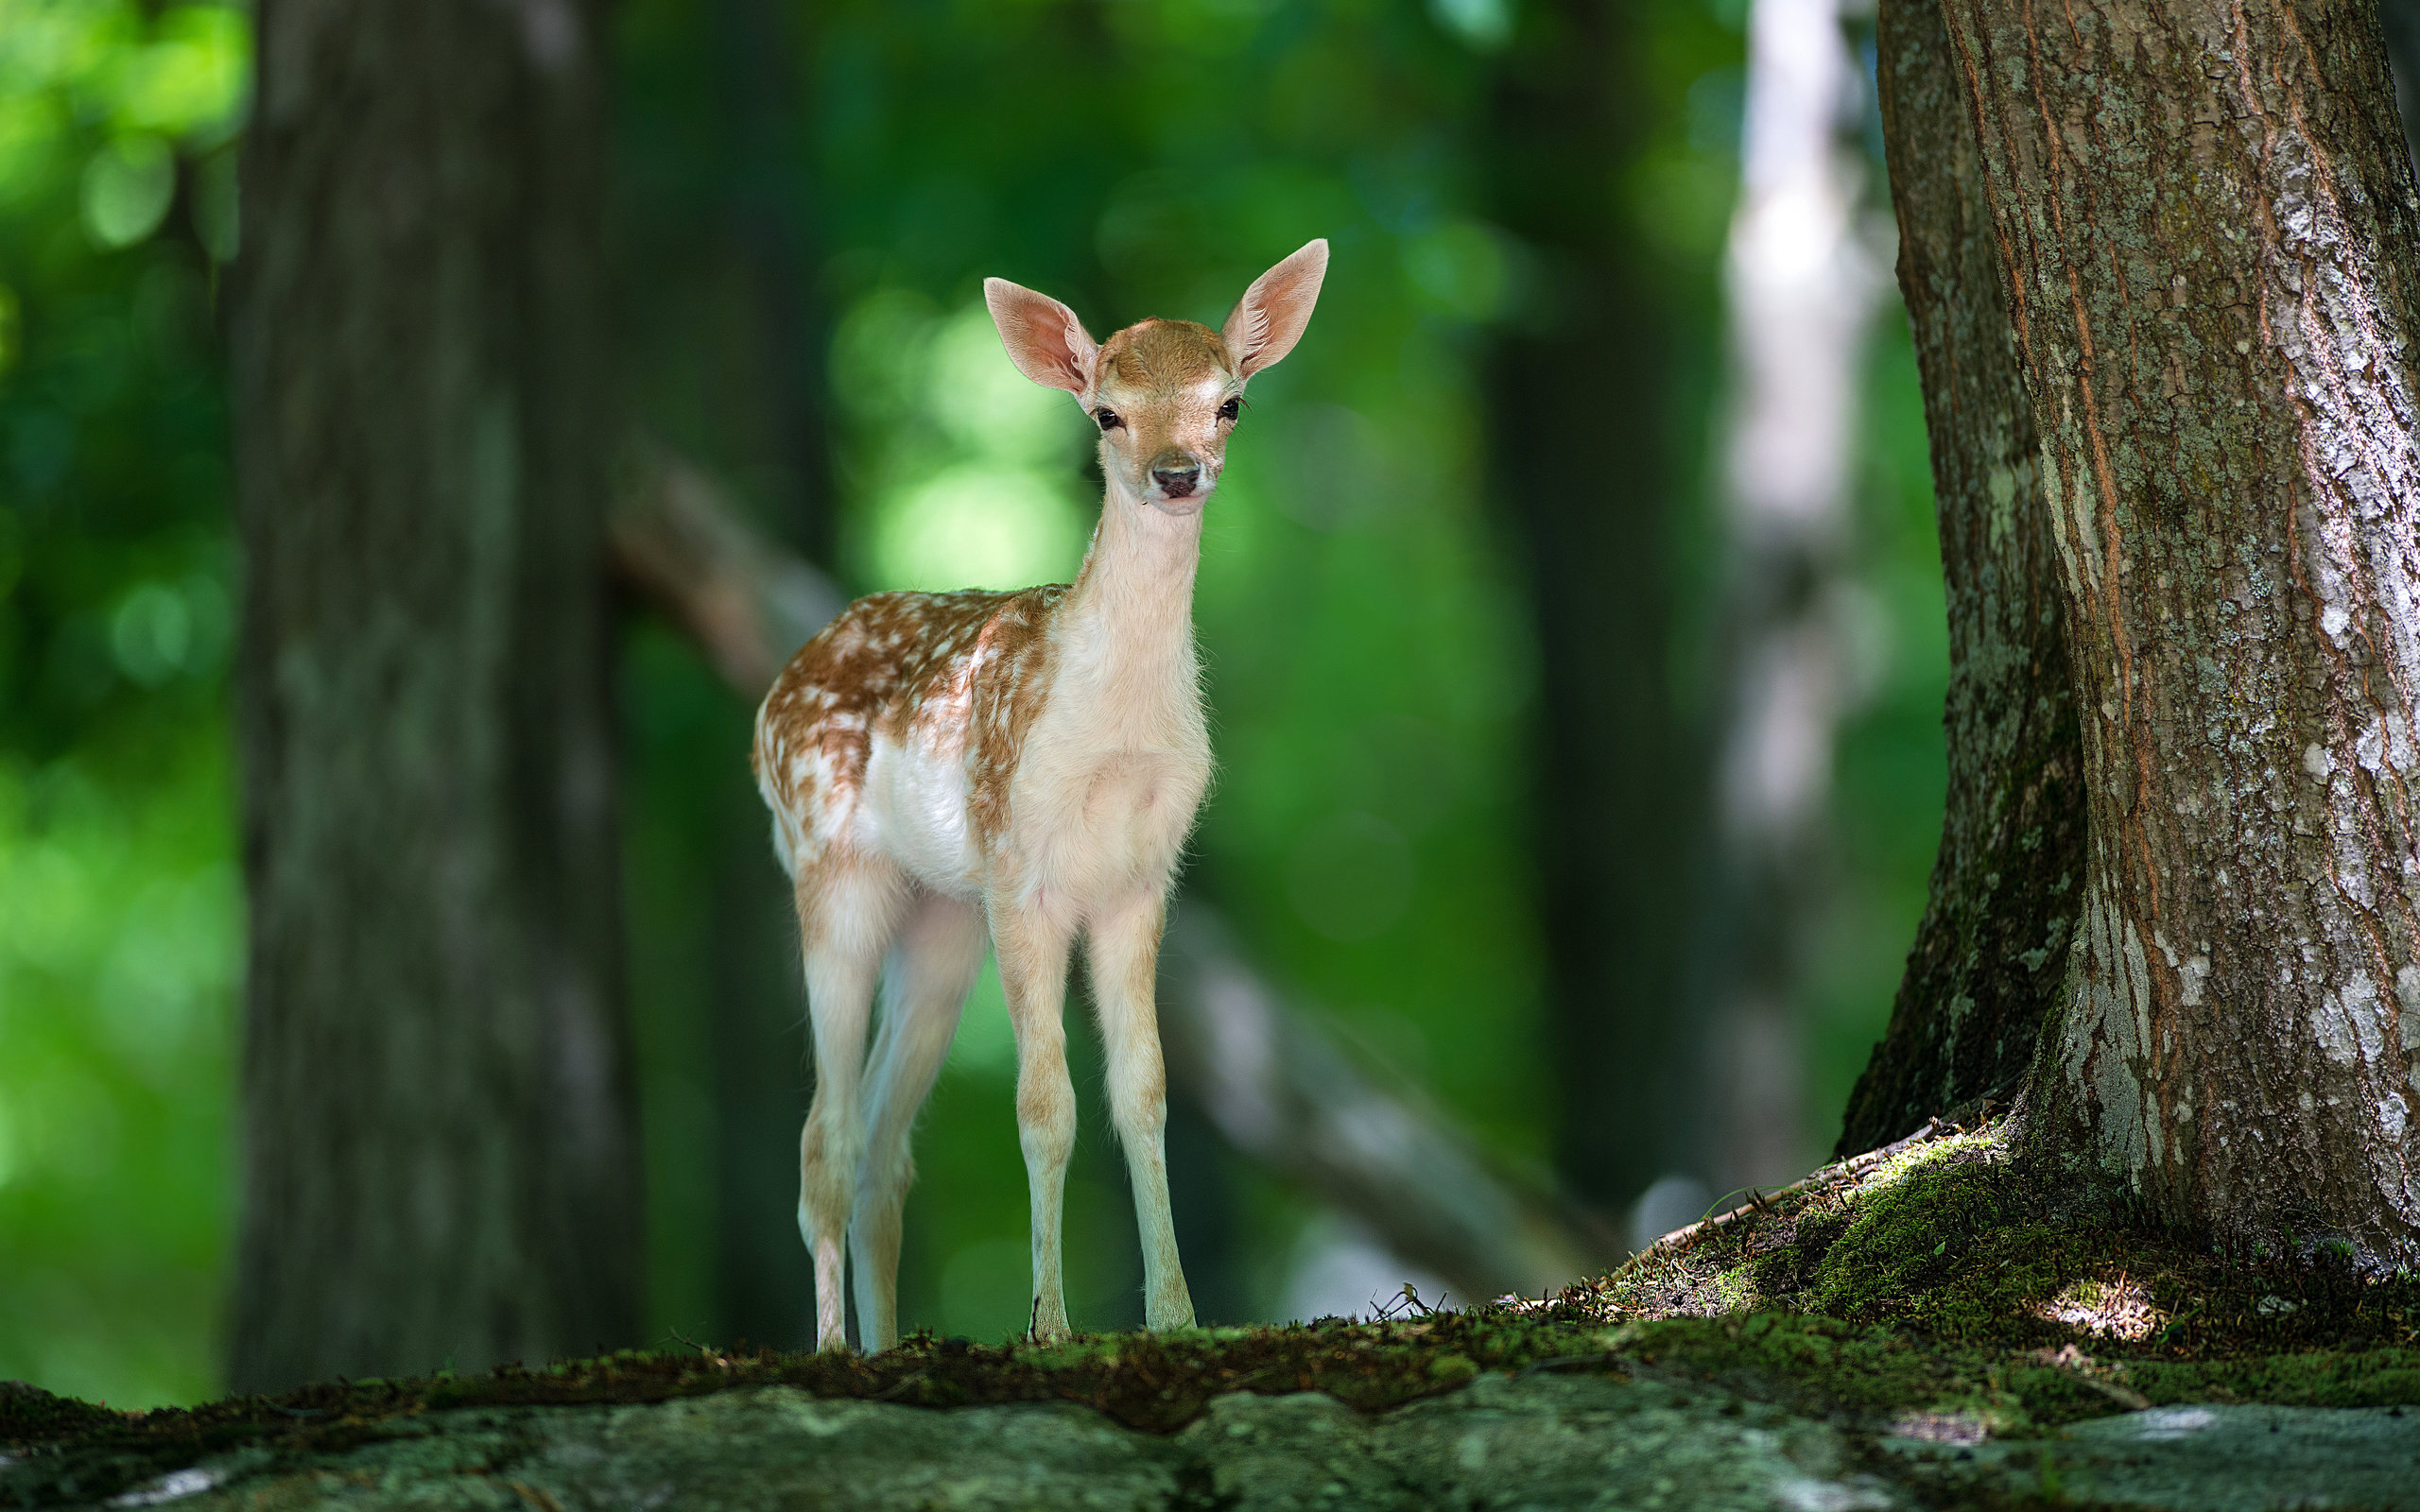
1043, 338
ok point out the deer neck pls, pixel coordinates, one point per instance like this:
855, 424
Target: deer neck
1125, 628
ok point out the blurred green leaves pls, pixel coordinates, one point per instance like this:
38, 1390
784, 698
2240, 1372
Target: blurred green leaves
144, 85
119, 926
967, 467
127, 184
120, 905
1486, 24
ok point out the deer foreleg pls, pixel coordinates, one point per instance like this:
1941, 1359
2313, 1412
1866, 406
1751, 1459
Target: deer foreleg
1124, 946
1034, 973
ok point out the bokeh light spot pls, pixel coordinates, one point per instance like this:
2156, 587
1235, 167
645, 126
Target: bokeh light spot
978, 526
127, 185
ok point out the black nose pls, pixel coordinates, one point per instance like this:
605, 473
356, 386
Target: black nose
1177, 475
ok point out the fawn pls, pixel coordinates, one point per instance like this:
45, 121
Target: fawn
1028, 762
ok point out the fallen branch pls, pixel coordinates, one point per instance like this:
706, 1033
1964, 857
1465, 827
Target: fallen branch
1285, 1092
744, 600
1276, 1085
1679, 1239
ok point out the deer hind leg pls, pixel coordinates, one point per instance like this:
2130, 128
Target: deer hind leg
933, 962
1124, 949
1034, 945
845, 912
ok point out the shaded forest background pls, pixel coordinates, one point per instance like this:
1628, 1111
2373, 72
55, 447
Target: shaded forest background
805, 200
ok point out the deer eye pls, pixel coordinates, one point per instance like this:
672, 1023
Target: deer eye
1232, 410
1108, 418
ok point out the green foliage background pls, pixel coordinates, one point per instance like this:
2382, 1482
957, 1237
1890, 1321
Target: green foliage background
1371, 668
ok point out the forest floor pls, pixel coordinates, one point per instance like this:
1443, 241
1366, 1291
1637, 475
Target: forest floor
1921, 1327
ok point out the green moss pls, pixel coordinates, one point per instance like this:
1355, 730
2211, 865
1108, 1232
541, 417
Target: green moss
1940, 1283
2313, 1378
1946, 1279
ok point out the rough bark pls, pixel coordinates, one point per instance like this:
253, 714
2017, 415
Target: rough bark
2207, 217
1989, 955
1578, 403
438, 1159
1266, 1077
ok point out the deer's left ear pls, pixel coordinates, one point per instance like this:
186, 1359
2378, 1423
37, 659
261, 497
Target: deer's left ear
1043, 338
1269, 318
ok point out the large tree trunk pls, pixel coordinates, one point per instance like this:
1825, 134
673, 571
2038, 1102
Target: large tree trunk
1989, 954
1579, 401
438, 1157
764, 1277
2207, 217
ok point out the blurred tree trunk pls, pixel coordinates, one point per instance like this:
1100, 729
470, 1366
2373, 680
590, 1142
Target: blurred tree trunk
1988, 956
439, 1160
2401, 19
764, 1282
1582, 441
2206, 218
760, 47
1800, 290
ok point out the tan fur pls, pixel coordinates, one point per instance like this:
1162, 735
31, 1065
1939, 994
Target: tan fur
1026, 764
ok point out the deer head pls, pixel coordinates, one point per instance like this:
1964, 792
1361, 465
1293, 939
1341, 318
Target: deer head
1167, 394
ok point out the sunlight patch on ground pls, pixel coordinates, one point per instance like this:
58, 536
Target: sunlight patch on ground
2119, 1310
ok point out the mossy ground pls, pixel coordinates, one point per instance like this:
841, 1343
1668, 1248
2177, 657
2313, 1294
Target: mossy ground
1943, 1279
1938, 1291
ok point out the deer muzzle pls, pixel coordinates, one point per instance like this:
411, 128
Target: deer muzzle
1175, 476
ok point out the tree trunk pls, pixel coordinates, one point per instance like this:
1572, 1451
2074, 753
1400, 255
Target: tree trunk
2207, 222
764, 1277
1988, 956
438, 1161
1579, 401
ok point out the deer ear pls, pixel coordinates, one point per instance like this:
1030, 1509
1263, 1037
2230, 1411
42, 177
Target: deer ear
1043, 338
1269, 318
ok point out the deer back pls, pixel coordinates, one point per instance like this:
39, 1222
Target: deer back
951, 681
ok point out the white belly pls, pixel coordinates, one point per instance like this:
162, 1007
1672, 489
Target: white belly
919, 812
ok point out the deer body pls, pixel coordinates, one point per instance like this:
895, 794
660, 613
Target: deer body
1024, 764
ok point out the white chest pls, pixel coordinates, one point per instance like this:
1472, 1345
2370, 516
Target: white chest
1109, 783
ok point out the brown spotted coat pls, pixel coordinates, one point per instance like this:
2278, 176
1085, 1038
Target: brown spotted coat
958, 675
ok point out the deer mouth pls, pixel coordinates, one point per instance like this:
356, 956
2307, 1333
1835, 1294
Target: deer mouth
1185, 500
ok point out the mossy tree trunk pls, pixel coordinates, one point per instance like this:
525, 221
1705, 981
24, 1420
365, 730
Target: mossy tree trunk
1990, 953
2206, 218
439, 1161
